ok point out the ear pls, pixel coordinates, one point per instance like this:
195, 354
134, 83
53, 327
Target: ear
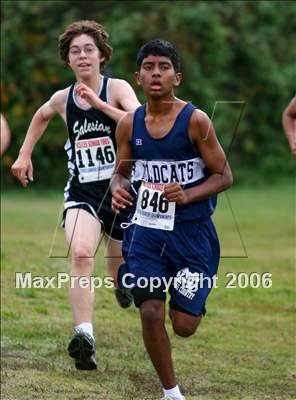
102, 59
178, 79
137, 78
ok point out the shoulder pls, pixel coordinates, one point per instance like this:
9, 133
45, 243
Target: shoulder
120, 88
123, 95
58, 102
199, 118
119, 83
59, 99
200, 125
55, 105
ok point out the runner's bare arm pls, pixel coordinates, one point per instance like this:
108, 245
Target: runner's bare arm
120, 182
203, 136
289, 124
125, 95
22, 167
5, 135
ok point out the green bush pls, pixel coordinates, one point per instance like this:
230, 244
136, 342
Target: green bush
238, 59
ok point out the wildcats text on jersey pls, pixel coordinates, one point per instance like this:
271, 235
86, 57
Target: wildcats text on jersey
184, 172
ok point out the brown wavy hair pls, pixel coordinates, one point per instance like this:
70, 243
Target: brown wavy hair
91, 28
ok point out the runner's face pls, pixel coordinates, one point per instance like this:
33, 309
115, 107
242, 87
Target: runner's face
84, 57
157, 76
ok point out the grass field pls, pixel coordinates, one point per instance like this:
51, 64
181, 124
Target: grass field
244, 349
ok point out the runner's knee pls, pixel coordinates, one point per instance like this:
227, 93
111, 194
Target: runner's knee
185, 325
152, 312
82, 255
184, 330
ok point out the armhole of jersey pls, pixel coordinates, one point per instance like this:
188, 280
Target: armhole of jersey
102, 88
102, 92
67, 105
137, 110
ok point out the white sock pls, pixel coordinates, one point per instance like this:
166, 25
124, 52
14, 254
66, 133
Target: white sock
86, 327
175, 392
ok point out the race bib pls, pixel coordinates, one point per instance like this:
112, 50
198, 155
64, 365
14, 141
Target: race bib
153, 210
95, 159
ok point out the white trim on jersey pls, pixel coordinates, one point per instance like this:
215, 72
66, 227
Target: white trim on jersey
72, 204
99, 94
107, 90
67, 188
69, 152
68, 205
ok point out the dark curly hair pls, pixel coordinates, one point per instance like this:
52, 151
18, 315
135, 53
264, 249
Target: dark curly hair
91, 28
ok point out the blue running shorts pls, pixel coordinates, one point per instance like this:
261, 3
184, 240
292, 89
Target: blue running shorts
186, 259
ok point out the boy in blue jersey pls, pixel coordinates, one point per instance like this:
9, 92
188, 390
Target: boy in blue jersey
170, 241
90, 108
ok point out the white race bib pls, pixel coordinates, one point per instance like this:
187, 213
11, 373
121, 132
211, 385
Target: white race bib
153, 210
95, 159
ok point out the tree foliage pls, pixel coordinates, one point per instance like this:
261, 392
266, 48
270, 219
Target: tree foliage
238, 64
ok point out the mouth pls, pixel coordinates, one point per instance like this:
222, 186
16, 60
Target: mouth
156, 86
83, 65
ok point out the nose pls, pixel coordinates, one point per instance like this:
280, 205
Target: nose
82, 54
156, 71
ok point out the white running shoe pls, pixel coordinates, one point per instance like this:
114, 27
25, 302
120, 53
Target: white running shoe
173, 398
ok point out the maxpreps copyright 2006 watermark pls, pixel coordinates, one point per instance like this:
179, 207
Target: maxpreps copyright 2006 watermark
184, 279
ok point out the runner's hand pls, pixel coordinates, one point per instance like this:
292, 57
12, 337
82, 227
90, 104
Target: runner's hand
174, 192
121, 198
86, 93
22, 169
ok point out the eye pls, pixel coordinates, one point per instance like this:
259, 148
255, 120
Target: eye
90, 49
147, 67
74, 51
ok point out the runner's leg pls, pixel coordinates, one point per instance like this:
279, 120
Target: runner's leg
83, 232
114, 258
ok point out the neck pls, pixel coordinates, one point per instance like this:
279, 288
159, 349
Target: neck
93, 82
160, 105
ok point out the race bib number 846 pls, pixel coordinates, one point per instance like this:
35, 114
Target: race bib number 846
95, 159
153, 210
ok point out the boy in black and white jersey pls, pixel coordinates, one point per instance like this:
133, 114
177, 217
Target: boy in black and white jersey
91, 108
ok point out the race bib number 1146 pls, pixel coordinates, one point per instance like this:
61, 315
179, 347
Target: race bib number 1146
95, 159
